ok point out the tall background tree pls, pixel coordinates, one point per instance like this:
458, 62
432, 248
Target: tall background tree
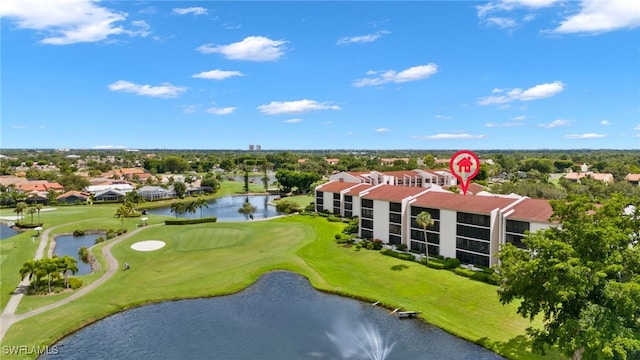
424, 220
581, 278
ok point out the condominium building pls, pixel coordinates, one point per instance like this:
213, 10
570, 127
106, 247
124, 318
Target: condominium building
467, 227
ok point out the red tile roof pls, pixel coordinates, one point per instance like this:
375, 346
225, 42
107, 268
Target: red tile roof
632, 177
336, 186
465, 203
392, 193
354, 191
532, 210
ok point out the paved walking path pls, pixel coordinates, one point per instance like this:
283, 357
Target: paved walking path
9, 317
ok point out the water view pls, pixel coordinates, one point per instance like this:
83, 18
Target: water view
280, 317
7, 232
69, 245
226, 208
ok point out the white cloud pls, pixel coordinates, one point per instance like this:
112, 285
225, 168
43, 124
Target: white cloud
411, 74
165, 90
19, 127
602, 16
189, 109
442, 117
584, 136
65, 22
293, 121
637, 128
556, 123
533, 93
502, 22
383, 130
217, 74
363, 38
461, 136
141, 28
295, 107
190, 10
520, 118
507, 124
252, 48
221, 111
605, 122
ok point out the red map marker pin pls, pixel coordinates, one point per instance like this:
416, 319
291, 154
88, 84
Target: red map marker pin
464, 165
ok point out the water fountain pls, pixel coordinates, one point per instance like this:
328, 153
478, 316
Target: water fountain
362, 342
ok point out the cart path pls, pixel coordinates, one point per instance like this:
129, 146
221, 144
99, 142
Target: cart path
9, 317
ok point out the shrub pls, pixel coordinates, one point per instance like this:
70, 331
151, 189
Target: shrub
402, 247
404, 256
287, 206
353, 227
190, 221
310, 207
435, 265
78, 232
99, 240
111, 234
464, 272
75, 283
451, 263
333, 218
371, 245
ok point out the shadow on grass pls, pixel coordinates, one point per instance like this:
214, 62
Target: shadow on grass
519, 347
399, 267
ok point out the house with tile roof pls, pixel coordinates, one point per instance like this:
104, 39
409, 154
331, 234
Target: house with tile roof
577, 176
633, 179
469, 228
73, 197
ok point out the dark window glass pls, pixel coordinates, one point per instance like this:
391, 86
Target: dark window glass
395, 240
474, 259
417, 235
367, 224
518, 227
348, 214
336, 196
348, 206
366, 203
336, 203
472, 245
320, 201
435, 213
348, 198
395, 229
396, 207
418, 246
336, 210
320, 194
516, 240
434, 227
474, 219
367, 234
395, 218
367, 213
473, 232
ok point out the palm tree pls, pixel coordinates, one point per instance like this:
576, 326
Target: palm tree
178, 208
50, 268
191, 207
38, 209
424, 220
20, 208
122, 212
31, 268
200, 203
248, 209
67, 264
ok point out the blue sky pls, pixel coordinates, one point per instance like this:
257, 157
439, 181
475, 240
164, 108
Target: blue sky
505, 74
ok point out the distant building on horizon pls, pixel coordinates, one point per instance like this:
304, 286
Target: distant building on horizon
255, 147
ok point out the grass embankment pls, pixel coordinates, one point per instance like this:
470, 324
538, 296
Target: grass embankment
222, 258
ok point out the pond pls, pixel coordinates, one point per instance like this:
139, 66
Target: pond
69, 245
7, 231
279, 317
226, 208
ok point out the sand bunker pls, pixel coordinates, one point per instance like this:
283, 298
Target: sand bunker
148, 245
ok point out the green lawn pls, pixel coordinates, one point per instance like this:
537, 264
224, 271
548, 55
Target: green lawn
221, 258
301, 200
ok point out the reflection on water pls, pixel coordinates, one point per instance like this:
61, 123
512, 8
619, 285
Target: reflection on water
69, 245
7, 232
280, 317
226, 208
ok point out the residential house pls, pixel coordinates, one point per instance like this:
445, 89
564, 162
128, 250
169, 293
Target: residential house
152, 193
73, 197
633, 179
577, 176
469, 228
108, 195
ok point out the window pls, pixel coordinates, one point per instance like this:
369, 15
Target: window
518, 227
418, 235
348, 198
367, 234
348, 206
367, 213
395, 218
319, 194
434, 227
336, 203
395, 239
395, 207
348, 214
474, 219
366, 203
472, 245
336, 196
435, 213
395, 229
473, 232
418, 246
474, 259
367, 224
516, 240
